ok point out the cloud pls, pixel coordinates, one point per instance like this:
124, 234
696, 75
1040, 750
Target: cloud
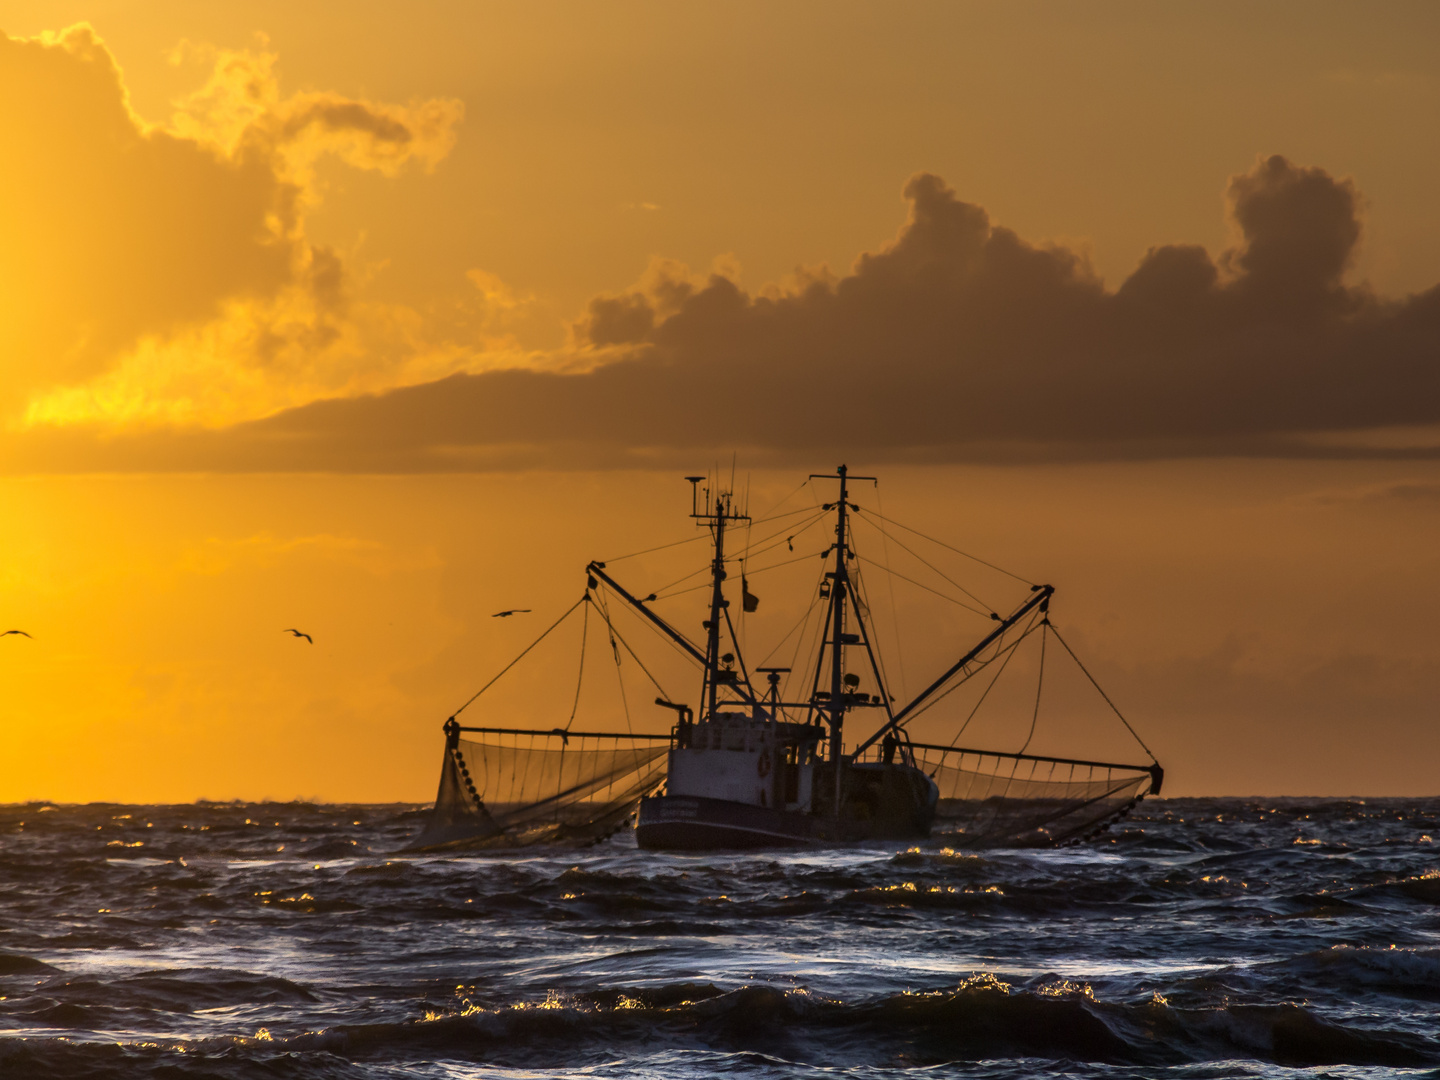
162, 272
959, 340
1420, 493
241, 112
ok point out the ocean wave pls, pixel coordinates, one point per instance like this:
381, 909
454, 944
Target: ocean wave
1364, 969
982, 1019
15, 964
1203, 937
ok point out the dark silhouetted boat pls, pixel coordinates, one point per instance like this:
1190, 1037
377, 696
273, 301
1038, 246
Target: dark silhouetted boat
759, 767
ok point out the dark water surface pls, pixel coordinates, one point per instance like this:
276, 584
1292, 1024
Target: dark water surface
1203, 938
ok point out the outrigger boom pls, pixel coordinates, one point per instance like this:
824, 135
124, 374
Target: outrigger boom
1040, 598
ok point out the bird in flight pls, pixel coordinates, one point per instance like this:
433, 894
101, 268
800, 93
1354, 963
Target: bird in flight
512, 611
299, 633
8, 632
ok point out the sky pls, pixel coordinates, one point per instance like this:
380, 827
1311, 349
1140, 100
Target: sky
373, 323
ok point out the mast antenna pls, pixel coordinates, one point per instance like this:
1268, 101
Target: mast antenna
718, 512
839, 591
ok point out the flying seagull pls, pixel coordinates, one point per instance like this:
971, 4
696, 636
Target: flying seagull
8, 632
299, 633
512, 611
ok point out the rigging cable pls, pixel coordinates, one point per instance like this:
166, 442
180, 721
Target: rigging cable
661, 635
967, 674
698, 536
804, 627
780, 644
973, 558
1104, 695
1009, 653
664, 593
739, 652
619, 676
763, 569
580, 675
788, 513
786, 562
517, 659
649, 551
761, 546
937, 570
693, 573
927, 588
862, 599
744, 584
605, 614
894, 608
1039, 685
773, 512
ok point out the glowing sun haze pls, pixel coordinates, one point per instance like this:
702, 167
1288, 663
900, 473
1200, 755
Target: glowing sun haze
373, 323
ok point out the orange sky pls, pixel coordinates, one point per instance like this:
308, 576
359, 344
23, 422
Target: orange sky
316, 315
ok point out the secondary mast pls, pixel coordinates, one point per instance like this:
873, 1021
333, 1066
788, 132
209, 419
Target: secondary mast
718, 511
839, 591
837, 626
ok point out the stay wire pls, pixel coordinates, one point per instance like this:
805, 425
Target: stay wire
739, 652
664, 590
649, 551
773, 512
950, 547
605, 613
744, 583
1009, 655
580, 675
781, 643
786, 562
619, 675
1039, 685
894, 608
1104, 695
862, 594
933, 567
692, 539
927, 588
788, 513
765, 544
660, 634
664, 593
754, 573
1001, 649
517, 659
815, 604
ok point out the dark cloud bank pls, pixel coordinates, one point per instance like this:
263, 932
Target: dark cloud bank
958, 342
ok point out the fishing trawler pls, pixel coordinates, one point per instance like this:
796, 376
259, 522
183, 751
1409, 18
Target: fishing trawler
767, 765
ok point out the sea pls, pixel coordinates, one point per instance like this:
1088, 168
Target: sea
1199, 938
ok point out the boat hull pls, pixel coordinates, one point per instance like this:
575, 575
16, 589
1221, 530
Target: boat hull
693, 823
696, 823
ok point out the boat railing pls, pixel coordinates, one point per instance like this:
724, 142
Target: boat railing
980, 770
987, 798
513, 786
560, 733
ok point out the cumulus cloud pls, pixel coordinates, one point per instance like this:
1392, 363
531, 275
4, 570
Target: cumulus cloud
161, 271
959, 340
961, 334
241, 110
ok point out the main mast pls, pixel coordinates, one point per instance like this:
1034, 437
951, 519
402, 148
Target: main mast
717, 605
718, 510
838, 590
839, 593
